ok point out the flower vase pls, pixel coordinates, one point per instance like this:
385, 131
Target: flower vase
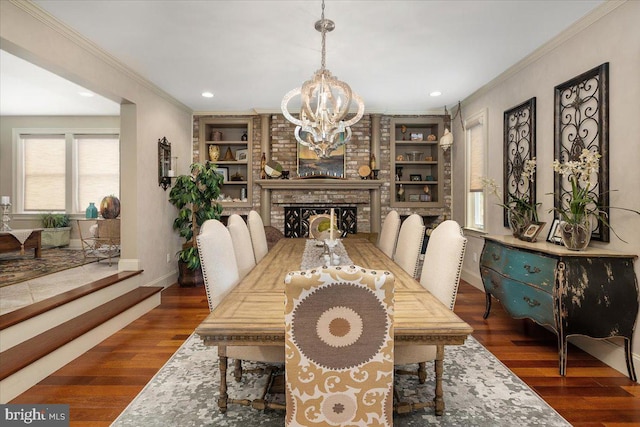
518, 221
576, 236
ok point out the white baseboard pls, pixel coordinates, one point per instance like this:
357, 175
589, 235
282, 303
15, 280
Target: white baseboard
131, 264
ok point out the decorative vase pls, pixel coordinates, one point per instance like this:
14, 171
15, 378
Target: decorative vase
518, 221
92, 211
110, 207
214, 153
576, 236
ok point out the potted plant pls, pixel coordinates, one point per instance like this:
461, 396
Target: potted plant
196, 197
57, 229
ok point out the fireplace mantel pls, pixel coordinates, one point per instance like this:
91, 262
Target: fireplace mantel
372, 185
319, 184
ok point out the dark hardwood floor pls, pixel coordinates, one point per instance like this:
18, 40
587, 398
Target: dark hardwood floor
101, 383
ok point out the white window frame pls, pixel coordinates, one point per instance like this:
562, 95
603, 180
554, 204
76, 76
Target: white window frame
478, 119
71, 157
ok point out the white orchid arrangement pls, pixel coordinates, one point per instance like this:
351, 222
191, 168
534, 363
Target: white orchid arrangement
519, 206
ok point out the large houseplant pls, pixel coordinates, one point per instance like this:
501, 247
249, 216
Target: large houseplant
195, 196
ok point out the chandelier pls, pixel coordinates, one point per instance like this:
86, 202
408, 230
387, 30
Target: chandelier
325, 103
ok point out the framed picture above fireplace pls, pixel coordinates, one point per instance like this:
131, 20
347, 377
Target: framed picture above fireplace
311, 166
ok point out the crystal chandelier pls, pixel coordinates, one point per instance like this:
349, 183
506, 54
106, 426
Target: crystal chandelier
325, 103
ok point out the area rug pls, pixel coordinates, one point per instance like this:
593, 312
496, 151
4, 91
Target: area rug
478, 391
15, 268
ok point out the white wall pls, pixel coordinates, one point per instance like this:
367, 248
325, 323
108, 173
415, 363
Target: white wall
613, 38
147, 114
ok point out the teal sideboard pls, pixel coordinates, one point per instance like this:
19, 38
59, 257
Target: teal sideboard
592, 293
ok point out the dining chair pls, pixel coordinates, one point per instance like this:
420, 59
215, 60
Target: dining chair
409, 244
258, 236
389, 233
440, 276
221, 275
339, 333
242, 245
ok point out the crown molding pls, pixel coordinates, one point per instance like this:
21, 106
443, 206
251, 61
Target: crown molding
586, 21
87, 45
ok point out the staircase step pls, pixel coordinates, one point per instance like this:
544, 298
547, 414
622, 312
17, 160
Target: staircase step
37, 308
18, 357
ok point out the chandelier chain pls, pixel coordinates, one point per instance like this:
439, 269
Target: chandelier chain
323, 23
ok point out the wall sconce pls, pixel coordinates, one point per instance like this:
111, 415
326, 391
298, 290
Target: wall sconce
447, 140
164, 163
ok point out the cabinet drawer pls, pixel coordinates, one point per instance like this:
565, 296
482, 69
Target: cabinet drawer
519, 299
535, 269
493, 256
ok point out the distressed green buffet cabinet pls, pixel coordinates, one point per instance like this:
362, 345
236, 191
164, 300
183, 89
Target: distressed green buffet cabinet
592, 293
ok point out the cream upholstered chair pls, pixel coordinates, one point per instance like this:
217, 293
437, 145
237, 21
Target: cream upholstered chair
258, 236
410, 244
440, 276
339, 332
220, 272
242, 245
389, 233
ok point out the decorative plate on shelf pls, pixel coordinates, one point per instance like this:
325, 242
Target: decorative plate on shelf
364, 171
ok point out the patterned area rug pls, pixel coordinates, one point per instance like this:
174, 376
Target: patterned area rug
15, 268
478, 391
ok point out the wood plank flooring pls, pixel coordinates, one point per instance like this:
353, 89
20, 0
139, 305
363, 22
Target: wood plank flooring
101, 383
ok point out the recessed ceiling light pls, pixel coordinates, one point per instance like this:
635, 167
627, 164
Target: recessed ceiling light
435, 93
86, 94
207, 94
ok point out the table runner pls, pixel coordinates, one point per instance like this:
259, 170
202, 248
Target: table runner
313, 254
21, 236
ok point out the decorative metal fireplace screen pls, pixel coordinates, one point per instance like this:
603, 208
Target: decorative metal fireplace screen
296, 219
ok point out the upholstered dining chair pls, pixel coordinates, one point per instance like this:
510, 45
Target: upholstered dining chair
258, 236
441, 276
242, 245
339, 332
220, 272
410, 244
389, 233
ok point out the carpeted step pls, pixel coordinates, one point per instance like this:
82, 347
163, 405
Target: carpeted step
37, 308
23, 354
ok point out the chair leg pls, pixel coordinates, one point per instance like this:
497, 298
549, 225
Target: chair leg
422, 372
237, 373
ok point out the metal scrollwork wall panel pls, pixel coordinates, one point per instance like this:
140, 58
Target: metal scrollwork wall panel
582, 121
519, 146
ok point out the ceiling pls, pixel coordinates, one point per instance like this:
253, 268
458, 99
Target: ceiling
250, 53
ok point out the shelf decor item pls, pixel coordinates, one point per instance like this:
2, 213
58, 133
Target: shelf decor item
325, 104
214, 153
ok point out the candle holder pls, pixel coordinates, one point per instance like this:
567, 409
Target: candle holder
5, 217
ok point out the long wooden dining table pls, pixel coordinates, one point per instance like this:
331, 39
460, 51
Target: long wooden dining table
253, 312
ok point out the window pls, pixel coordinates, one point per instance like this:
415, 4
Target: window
64, 171
476, 148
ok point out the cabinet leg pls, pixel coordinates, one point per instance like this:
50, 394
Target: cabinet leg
629, 357
487, 305
562, 353
439, 367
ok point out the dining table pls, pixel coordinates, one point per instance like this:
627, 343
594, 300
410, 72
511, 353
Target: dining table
252, 313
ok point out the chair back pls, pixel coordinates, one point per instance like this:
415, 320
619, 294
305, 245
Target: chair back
258, 236
339, 332
218, 261
410, 244
443, 262
389, 233
242, 245
109, 229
